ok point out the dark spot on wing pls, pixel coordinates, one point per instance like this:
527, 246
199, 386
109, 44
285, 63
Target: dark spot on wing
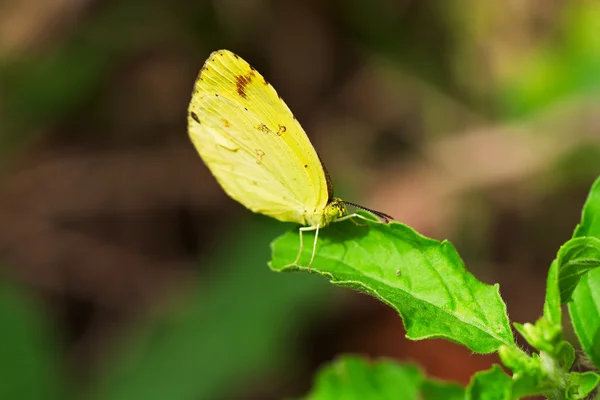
305, 165
226, 123
282, 129
195, 117
198, 78
242, 81
259, 155
265, 82
246, 108
263, 128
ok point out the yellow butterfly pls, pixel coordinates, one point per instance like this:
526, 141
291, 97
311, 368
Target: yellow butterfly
257, 150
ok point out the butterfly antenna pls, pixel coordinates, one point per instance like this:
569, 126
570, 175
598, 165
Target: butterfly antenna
380, 214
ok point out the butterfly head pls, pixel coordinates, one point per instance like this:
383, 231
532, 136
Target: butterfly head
335, 209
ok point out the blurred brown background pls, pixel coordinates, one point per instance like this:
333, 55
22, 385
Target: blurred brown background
128, 274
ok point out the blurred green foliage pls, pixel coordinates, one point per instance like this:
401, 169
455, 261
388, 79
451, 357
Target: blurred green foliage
352, 378
243, 320
42, 89
564, 68
30, 362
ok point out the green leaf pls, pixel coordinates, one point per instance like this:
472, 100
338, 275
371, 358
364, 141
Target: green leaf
529, 383
29, 365
585, 314
436, 390
423, 279
547, 337
543, 336
581, 384
544, 373
531, 374
590, 217
552, 309
584, 307
492, 384
351, 377
516, 359
575, 259
565, 355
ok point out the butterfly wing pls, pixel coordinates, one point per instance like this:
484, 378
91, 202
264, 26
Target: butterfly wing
251, 142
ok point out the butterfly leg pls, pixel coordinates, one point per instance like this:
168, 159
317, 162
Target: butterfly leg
301, 230
351, 218
356, 223
314, 248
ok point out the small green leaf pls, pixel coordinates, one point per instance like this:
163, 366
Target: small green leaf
590, 216
585, 314
423, 279
530, 373
516, 359
565, 355
436, 390
492, 384
581, 384
351, 377
552, 309
543, 335
575, 259
548, 338
528, 384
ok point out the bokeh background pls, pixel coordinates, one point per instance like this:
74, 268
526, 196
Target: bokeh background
126, 272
